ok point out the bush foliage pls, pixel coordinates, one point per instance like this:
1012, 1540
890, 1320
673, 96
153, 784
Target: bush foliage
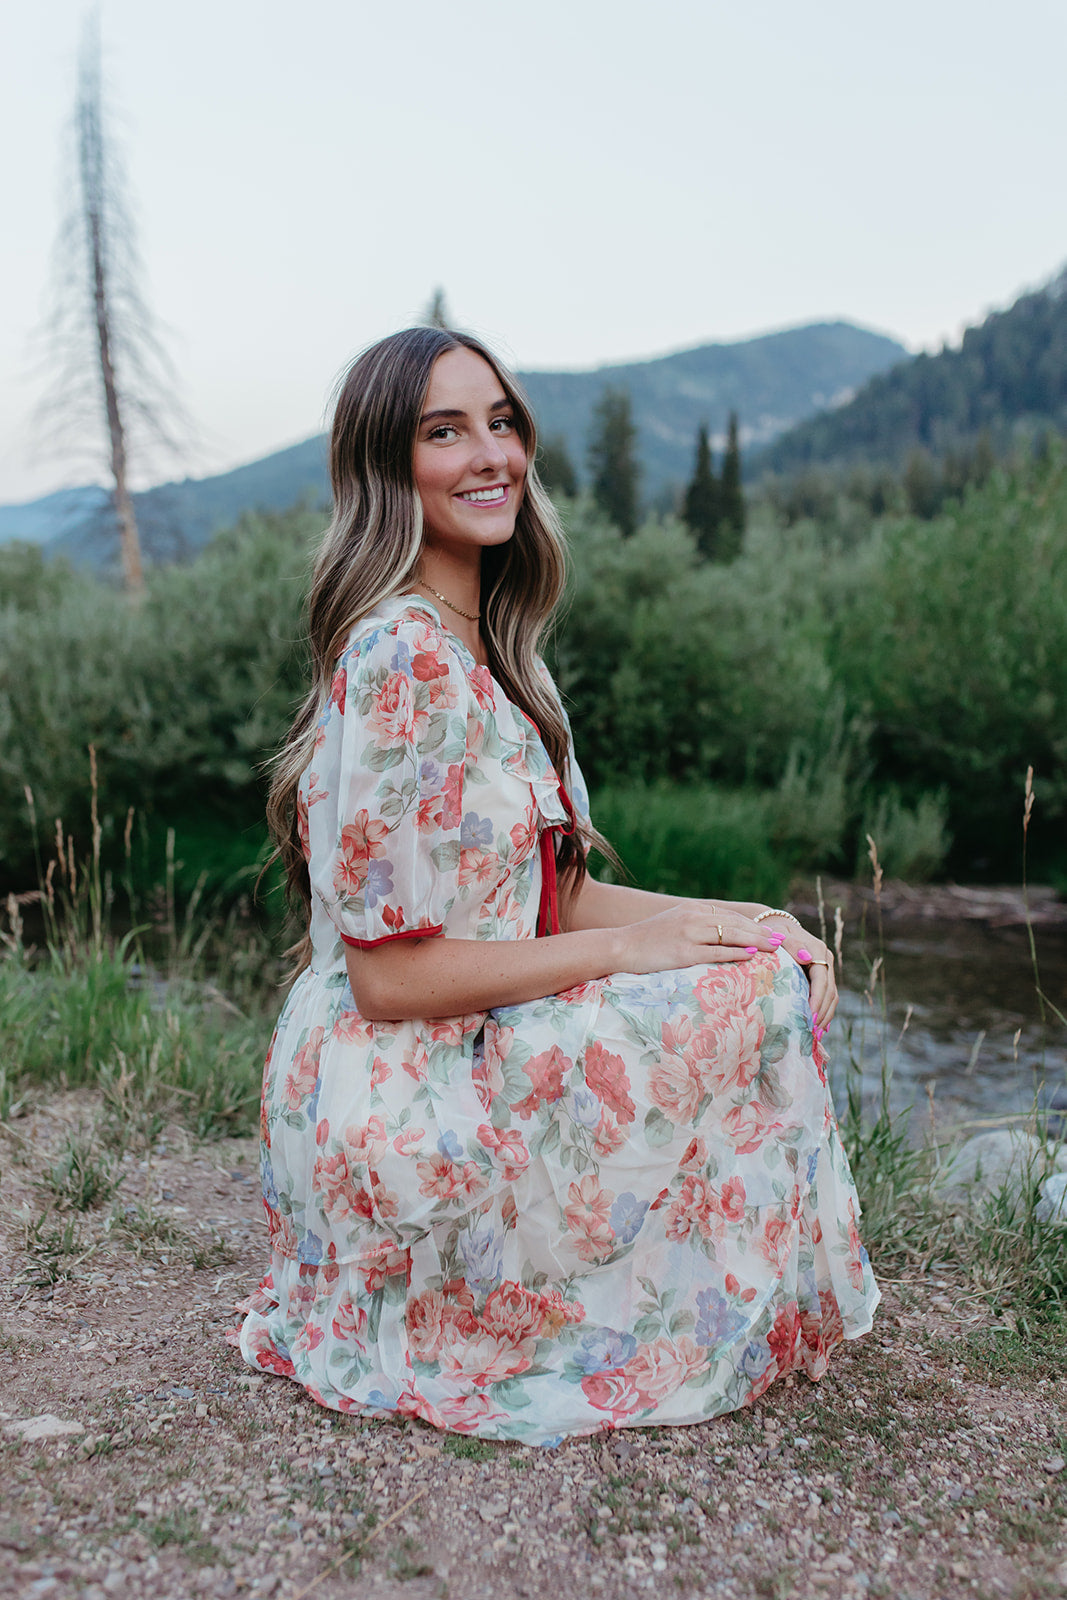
895, 677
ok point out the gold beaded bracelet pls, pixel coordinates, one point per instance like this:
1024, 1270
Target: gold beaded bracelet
764, 914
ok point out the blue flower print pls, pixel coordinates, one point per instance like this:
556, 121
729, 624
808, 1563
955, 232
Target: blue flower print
603, 1350
718, 1319
476, 832
309, 1248
813, 1163
266, 1174
379, 882
585, 1108
448, 1144
627, 1215
482, 1251
431, 776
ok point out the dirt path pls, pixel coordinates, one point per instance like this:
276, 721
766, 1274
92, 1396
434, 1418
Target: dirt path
910, 1471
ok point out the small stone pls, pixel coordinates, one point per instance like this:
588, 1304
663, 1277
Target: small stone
45, 1426
493, 1510
954, 1491
201, 1410
1054, 1464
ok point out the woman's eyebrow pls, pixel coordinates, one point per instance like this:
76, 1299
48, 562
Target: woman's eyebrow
503, 404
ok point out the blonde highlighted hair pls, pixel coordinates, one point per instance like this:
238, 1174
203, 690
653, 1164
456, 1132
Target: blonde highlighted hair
371, 549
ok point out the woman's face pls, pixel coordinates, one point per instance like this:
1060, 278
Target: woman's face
470, 464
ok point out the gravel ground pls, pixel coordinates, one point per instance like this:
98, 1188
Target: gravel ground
904, 1473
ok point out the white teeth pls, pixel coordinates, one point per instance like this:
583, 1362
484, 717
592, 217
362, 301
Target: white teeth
482, 495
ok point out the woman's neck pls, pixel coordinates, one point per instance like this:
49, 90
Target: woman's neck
455, 588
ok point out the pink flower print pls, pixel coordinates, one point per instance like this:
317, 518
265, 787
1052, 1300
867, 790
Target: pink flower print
428, 815
697, 1206
365, 1142
425, 1319
613, 1391
725, 1055
477, 867
748, 1126
408, 1142
426, 668
386, 1202
776, 1242
581, 992
695, 1158
417, 1063
732, 1199
467, 1413
351, 1028
438, 1177
452, 807
310, 1337
588, 1217
507, 1149
448, 1030
391, 718
380, 1072
487, 1073
479, 1357
523, 836
674, 1089
362, 841
301, 1079
513, 1313
608, 1137
559, 1313
481, 680
337, 689
470, 1180
341, 1195
677, 1034
784, 1337
268, 1358
545, 1072
606, 1075
658, 1370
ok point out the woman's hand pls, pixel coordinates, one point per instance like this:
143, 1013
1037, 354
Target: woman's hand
698, 932
818, 963
692, 933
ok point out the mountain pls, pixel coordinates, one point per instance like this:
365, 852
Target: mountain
771, 381
1007, 379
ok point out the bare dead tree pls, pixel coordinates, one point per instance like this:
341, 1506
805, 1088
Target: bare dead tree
436, 314
114, 389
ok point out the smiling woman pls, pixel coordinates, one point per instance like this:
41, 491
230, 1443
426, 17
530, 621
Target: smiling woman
541, 1155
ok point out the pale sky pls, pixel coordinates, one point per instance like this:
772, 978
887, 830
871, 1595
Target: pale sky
590, 181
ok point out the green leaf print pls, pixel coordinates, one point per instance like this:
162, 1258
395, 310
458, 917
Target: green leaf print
436, 731
775, 1045
445, 857
681, 1322
381, 760
658, 1131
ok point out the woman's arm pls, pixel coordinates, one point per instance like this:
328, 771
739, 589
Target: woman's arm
440, 977
616, 905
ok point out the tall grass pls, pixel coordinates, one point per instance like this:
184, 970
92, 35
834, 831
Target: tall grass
167, 1017
994, 1243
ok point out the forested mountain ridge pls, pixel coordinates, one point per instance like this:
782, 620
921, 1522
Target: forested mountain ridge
1006, 380
771, 381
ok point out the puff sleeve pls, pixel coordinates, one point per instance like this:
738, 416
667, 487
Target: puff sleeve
384, 792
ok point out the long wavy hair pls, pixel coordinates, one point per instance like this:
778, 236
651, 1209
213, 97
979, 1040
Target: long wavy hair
371, 550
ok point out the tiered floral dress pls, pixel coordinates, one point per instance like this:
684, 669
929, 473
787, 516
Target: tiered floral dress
621, 1205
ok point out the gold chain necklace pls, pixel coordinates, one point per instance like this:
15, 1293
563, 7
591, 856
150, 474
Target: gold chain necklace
470, 616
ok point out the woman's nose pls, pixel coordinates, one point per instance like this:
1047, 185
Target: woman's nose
490, 454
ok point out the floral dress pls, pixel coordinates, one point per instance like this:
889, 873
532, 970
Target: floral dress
621, 1205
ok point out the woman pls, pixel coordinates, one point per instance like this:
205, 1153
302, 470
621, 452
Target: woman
541, 1155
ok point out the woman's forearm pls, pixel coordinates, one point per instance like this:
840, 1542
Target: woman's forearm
616, 905
442, 977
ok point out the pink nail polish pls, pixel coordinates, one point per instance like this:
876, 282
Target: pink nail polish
751, 950
803, 955
776, 939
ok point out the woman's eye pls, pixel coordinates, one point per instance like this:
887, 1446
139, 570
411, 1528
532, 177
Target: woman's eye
504, 424
439, 433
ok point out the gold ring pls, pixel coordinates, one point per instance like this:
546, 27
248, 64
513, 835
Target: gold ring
820, 963
719, 926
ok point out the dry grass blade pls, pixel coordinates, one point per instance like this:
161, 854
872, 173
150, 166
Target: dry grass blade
346, 1554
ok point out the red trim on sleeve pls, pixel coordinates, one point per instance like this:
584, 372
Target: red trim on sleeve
387, 938
548, 910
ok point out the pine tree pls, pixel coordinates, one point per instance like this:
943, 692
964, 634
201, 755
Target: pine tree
702, 509
555, 467
613, 459
733, 499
